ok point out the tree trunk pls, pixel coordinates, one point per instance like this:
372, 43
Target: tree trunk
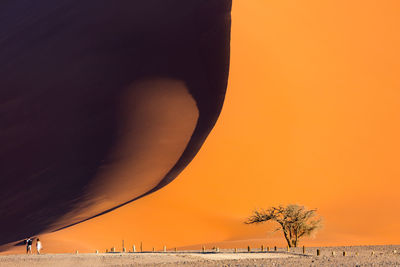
296, 236
296, 241
286, 237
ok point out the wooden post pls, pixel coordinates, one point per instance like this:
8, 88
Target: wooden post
217, 249
97, 252
165, 249
268, 249
133, 248
154, 250
262, 248
275, 248
333, 253
344, 253
141, 246
123, 246
106, 250
235, 250
76, 252
113, 249
203, 249
248, 249
304, 250
176, 250
318, 252
373, 253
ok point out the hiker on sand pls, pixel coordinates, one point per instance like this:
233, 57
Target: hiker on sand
38, 246
29, 246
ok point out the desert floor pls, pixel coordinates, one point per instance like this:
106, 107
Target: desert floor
355, 256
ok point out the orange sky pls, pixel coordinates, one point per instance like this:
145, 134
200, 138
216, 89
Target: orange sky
311, 117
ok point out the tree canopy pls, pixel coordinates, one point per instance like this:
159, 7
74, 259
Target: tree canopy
295, 221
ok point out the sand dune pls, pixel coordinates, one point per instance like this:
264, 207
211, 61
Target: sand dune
102, 102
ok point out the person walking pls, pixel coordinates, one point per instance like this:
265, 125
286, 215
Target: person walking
38, 246
29, 246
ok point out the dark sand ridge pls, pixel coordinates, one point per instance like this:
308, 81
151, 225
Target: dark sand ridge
102, 102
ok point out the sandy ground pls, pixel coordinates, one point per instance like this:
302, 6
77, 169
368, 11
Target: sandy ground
355, 256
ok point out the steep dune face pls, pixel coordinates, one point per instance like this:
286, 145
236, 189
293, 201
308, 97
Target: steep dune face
102, 102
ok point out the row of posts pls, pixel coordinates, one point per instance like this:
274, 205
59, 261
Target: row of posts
216, 249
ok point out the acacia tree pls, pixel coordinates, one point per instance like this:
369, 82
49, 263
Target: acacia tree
295, 221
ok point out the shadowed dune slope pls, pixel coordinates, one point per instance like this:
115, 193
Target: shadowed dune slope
102, 102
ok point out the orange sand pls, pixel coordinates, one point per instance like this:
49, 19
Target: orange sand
311, 117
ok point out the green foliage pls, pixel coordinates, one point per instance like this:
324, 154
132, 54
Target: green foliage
295, 221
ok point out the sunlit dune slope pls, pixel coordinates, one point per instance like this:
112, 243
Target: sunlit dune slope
311, 117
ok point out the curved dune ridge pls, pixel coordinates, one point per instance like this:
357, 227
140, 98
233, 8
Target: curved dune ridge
102, 102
